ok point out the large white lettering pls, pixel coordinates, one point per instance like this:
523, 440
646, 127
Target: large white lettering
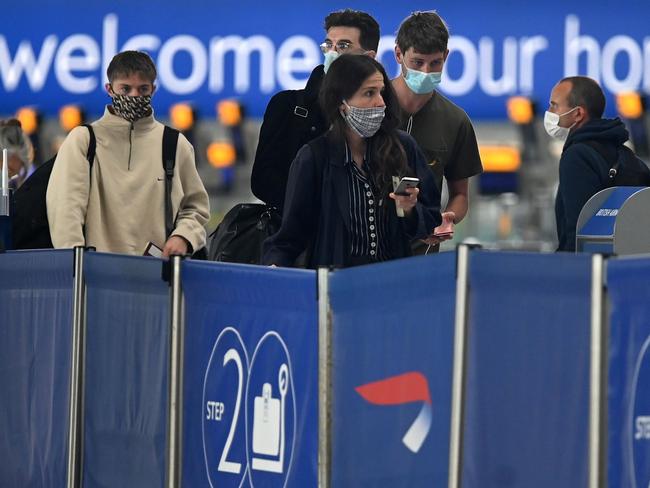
507, 84
462, 46
66, 62
188, 64
25, 61
529, 48
601, 65
574, 45
242, 49
198, 66
612, 48
288, 64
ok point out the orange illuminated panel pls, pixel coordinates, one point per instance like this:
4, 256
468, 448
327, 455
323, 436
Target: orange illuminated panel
221, 154
520, 110
629, 105
70, 116
181, 116
28, 118
229, 112
500, 159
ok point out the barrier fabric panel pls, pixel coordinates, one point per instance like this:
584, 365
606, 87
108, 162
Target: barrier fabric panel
527, 388
35, 348
251, 376
126, 371
629, 372
392, 348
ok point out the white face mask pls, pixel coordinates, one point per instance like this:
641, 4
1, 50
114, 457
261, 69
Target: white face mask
330, 56
551, 124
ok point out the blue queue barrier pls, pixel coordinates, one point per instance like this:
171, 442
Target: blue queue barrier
127, 336
35, 350
392, 351
527, 387
251, 376
628, 402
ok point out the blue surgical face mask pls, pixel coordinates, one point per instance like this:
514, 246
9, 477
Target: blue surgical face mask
420, 82
330, 56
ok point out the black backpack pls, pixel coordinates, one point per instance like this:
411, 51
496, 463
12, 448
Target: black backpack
241, 233
625, 167
30, 227
240, 236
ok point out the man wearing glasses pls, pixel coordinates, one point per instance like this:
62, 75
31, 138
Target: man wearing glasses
293, 117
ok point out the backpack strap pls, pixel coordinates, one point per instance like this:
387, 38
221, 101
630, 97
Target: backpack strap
169, 144
300, 109
92, 145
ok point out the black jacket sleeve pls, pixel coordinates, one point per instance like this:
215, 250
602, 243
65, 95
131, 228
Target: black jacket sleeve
274, 151
301, 212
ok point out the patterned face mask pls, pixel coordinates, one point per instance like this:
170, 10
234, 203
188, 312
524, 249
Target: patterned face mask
364, 121
132, 108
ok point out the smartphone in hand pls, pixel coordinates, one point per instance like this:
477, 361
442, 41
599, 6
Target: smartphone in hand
446, 228
404, 183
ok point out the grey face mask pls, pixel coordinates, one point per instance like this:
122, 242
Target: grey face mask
364, 121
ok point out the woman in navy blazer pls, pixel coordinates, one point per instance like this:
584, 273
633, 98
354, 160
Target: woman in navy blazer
324, 214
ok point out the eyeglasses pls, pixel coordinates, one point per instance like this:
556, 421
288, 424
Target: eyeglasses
341, 46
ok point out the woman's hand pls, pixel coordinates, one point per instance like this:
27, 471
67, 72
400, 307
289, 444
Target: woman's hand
406, 202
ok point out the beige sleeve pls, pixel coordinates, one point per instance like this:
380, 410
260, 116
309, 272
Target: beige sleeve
67, 191
194, 210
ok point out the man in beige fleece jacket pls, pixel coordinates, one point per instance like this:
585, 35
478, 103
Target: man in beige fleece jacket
118, 206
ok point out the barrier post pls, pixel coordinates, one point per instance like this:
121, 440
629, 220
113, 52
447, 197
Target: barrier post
324, 379
75, 409
175, 388
458, 381
598, 351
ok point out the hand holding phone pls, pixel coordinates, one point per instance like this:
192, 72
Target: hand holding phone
404, 183
446, 229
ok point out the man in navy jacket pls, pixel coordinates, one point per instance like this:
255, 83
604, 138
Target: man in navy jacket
575, 116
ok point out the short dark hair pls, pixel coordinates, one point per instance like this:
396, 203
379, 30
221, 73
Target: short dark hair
127, 63
344, 78
425, 32
368, 27
586, 93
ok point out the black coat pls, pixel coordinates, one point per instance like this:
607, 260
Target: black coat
583, 173
317, 208
292, 119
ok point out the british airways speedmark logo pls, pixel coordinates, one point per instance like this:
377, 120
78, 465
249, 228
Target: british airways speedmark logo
397, 390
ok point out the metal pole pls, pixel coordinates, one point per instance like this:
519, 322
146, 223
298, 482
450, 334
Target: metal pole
596, 374
458, 382
324, 379
75, 407
175, 399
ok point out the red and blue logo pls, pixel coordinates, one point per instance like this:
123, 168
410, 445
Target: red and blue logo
397, 390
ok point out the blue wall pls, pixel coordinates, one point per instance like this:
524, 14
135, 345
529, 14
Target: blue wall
205, 51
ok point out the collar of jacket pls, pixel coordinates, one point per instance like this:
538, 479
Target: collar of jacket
336, 149
313, 84
144, 124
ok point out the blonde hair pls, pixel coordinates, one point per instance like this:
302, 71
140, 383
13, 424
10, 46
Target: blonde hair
14, 139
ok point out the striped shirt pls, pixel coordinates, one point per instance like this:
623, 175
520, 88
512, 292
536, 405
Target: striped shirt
368, 222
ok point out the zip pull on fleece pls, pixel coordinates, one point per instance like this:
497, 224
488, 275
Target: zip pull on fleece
130, 146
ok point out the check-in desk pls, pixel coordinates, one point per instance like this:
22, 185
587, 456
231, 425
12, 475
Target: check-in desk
615, 221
